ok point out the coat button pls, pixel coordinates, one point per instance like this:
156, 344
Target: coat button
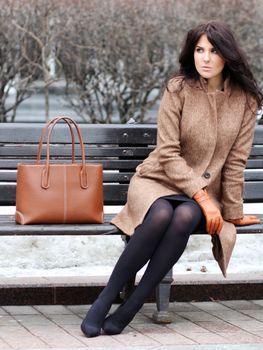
207, 175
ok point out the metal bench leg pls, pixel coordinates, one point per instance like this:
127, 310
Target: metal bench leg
162, 314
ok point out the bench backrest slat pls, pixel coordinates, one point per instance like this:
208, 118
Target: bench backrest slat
122, 177
116, 194
65, 151
108, 164
91, 133
10, 176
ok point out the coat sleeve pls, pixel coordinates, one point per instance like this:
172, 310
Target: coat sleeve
233, 170
168, 143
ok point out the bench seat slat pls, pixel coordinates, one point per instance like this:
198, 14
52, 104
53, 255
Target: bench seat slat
10, 228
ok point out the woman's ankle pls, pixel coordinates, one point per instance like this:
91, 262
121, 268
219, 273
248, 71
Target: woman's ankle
92, 323
116, 322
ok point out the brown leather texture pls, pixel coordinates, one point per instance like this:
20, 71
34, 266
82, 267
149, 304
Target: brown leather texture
59, 193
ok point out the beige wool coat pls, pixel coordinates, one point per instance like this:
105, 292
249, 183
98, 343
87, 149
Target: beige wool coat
203, 141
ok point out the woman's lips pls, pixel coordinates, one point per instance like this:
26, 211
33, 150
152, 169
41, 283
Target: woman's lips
206, 68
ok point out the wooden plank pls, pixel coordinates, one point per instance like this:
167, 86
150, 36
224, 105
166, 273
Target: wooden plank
7, 218
258, 136
111, 164
10, 176
253, 175
92, 133
22, 151
114, 194
254, 164
253, 192
30, 151
10, 228
117, 193
256, 151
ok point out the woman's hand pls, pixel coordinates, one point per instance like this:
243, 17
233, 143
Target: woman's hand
214, 220
246, 220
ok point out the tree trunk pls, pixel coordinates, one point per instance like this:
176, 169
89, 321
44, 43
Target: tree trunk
46, 92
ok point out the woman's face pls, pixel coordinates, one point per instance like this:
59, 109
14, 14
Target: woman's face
208, 63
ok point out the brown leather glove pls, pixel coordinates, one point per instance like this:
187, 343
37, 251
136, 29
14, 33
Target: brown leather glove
246, 220
214, 220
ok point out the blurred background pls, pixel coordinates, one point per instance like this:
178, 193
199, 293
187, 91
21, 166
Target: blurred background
105, 61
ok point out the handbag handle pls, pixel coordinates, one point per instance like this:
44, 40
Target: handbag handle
46, 171
44, 132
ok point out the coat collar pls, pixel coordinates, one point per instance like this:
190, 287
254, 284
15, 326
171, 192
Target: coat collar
201, 84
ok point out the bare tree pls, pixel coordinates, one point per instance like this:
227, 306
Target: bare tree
117, 53
43, 22
116, 62
16, 74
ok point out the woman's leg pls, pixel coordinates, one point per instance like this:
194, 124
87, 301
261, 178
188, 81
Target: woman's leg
136, 254
185, 220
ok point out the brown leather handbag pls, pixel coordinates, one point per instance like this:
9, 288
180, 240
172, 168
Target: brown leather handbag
59, 193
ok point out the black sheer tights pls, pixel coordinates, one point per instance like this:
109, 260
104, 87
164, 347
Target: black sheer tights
161, 240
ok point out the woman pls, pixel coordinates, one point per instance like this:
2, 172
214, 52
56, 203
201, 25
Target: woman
194, 175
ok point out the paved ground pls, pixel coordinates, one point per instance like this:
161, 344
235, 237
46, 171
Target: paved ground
196, 326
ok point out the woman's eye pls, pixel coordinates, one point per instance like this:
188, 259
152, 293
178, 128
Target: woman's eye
214, 51
198, 49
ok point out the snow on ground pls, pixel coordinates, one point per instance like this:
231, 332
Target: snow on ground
95, 256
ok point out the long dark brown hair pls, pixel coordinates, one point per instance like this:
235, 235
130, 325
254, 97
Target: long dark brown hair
236, 64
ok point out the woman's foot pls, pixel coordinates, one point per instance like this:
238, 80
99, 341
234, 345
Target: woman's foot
116, 322
92, 323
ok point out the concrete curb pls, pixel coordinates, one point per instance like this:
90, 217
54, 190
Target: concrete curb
83, 290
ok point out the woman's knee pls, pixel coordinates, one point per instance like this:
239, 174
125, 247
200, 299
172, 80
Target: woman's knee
161, 212
188, 214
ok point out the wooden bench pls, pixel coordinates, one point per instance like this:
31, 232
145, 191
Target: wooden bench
120, 148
